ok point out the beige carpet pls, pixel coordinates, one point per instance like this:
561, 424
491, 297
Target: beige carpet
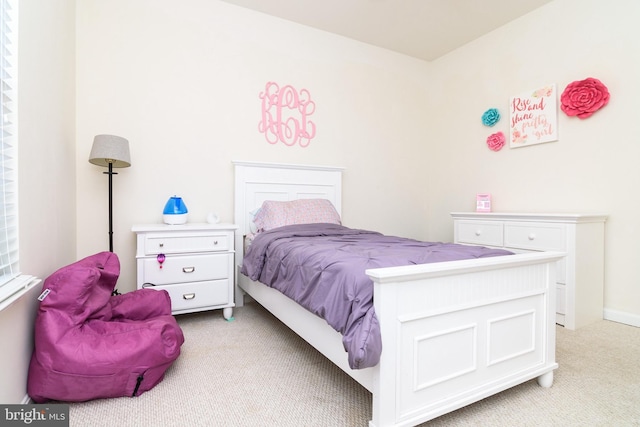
254, 371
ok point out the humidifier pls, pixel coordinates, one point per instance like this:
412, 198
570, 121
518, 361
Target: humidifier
175, 211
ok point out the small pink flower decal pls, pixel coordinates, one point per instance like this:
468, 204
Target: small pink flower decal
584, 97
518, 138
495, 141
545, 91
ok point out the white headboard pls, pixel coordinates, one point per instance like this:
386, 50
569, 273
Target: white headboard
256, 182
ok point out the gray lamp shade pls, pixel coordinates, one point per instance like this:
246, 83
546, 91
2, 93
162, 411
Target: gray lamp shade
110, 149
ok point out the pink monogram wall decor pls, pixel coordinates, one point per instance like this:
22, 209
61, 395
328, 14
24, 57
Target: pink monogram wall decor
285, 115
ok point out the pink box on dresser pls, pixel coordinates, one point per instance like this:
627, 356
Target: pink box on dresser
483, 203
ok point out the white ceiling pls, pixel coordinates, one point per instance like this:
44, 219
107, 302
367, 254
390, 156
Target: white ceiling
425, 29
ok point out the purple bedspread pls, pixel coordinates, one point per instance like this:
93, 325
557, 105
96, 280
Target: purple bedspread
322, 267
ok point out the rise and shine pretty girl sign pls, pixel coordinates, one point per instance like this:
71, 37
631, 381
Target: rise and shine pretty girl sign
533, 117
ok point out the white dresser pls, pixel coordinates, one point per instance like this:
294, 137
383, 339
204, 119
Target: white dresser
193, 262
580, 275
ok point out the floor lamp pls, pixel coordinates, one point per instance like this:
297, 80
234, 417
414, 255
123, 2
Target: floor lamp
113, 152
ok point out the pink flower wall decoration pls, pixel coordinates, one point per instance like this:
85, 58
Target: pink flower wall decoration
285, 115
584, 97
495, 141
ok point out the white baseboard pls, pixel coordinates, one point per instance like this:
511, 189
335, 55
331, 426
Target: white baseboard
622, 317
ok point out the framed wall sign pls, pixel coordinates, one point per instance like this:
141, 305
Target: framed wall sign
533, 117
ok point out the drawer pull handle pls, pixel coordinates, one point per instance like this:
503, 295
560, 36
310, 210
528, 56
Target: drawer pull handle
478, 232
188, 269
532, 236
189, 296
161, 245
215, 242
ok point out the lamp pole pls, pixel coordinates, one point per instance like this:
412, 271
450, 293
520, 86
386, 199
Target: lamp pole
110, 173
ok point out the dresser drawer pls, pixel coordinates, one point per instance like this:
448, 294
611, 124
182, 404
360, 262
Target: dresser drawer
561, 298
535, 237
487, 233
185, 243
579, 274
187, 296
188, 268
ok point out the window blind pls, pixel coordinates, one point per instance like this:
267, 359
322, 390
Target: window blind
9, 268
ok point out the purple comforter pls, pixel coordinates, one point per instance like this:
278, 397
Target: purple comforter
322, 267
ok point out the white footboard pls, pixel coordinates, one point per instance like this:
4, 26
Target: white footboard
454, 333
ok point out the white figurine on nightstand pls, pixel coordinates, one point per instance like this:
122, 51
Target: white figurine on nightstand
212, 218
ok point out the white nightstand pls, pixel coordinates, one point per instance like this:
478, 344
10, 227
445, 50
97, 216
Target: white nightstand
193, 262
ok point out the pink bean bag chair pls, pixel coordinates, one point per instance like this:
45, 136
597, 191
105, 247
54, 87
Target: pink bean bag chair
90, 344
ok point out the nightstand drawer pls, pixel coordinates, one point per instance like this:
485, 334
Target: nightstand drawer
538, 237
488, 233
197, 264
185, 243
191, 268
194, 295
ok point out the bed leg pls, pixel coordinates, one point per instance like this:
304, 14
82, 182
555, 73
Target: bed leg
546, 380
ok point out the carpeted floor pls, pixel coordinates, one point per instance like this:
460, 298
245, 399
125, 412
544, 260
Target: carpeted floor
253, 371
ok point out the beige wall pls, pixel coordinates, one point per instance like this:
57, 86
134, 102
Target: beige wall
46, 117
593, 165
183, 84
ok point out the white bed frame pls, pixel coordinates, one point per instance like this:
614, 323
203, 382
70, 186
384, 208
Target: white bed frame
453, 333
